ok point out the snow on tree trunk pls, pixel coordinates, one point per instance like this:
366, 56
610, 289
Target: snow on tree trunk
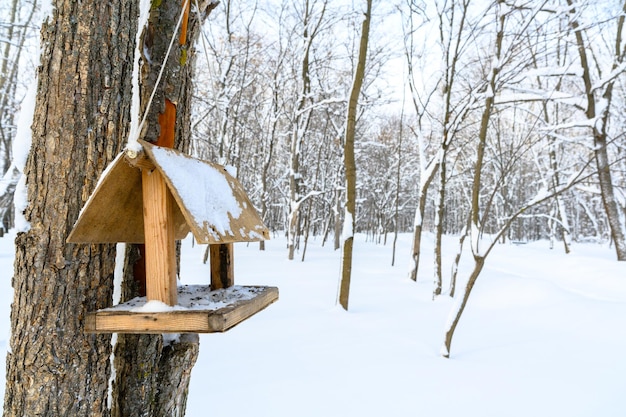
598, 111
81, 117
459, 306
426, 177
455, 263
299, 129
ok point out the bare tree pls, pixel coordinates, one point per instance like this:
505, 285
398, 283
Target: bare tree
312, 23
503, 57
455, 109
428, 166
349, 161
599, 98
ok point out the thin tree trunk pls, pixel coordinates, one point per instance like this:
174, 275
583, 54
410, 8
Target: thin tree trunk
53, 367
552, 155
452, 54
268, 158
396, 211
427, 176
307, 217
337, 220
300, 125
350, 164
608, 196
475, 219
457, 311
600, 132
561, 213
457, 260
439, 225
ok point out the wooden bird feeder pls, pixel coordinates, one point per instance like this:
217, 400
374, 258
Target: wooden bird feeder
156, 197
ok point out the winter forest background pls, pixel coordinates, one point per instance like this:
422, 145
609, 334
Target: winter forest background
479, 123
273, 80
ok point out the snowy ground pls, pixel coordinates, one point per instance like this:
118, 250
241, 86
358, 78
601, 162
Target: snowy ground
544, 334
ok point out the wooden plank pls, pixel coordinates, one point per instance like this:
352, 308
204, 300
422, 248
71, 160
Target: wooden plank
222, 266
159, 239
197, 320
114, 211
173, 322
231, 316
116, 197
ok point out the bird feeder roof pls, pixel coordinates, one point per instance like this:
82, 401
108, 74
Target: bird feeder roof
210, 202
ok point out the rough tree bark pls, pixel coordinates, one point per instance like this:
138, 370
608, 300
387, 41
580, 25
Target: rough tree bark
152, 376
81, 118
349, 161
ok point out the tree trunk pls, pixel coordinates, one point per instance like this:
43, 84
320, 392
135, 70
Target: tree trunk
457, 260
337, 220
396, 208
300, 126
81, 117
608, 194
152, 376
599, 129
266, 165
457, 311
177, 359
350, 164
452, 54
475, 218
427, 176
439, 225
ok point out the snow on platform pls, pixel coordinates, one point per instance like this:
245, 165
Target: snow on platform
199, 310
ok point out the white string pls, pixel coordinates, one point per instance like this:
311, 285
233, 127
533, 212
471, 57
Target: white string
167, 54
204, 46
203, 37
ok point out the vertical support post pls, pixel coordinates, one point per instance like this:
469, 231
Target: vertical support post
160, 242
222, 267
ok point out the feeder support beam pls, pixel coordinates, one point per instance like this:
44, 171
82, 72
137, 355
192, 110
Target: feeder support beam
159, 239
222, 266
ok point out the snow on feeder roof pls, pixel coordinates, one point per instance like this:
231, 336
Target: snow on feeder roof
209, 202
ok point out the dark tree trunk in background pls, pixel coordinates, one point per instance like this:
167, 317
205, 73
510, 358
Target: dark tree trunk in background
81, 117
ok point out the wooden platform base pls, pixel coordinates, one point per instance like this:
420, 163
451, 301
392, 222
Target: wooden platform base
199, 310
